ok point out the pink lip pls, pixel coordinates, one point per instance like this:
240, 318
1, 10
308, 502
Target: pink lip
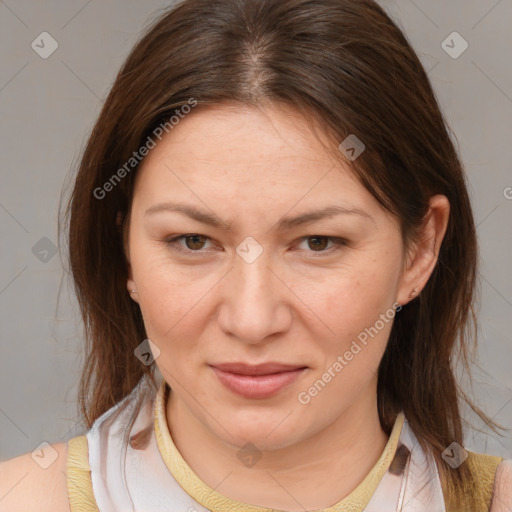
256, 381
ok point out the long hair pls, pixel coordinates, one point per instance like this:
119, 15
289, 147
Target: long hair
346, 65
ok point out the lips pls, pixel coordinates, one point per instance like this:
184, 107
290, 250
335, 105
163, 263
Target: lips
257, 381
260, 369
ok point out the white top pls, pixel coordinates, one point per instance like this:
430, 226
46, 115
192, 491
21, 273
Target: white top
126, 478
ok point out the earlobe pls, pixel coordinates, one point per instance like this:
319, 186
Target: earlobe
423, 255
130, 283
132, 289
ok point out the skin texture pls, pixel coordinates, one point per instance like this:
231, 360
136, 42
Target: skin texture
502, 494
24, 485
300, 302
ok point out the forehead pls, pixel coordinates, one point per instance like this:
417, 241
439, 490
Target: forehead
250, 159
234, 135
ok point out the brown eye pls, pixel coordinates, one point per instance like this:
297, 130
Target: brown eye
195, 242
319, 242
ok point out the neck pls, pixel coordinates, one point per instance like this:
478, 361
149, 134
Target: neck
315, 473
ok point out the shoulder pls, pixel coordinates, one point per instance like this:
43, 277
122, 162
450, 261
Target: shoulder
502, 494
35, 481
494, 475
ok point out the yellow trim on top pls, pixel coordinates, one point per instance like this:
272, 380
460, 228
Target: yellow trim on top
356, 501
79, 484
483, 467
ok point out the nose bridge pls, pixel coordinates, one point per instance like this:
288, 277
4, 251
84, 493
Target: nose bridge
253, 282
251, 303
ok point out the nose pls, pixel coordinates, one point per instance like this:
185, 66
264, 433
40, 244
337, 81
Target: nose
255, 301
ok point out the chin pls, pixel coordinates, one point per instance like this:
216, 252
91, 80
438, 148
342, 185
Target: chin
266, 433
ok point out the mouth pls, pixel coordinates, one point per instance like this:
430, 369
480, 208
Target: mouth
257, 381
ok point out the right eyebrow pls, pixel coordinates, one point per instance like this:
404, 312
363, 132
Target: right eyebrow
190, 211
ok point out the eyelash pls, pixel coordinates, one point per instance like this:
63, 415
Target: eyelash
173, 243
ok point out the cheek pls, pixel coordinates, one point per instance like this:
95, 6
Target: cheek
353, 312
356, 300
170, 306
352, 306
166, 296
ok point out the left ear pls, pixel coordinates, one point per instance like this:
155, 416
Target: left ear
422, 256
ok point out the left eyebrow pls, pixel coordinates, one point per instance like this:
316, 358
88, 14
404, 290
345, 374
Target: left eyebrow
205, 217
328, 212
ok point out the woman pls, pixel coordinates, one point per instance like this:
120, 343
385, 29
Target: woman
275, 257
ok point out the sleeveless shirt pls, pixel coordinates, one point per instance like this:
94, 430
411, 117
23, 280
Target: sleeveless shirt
128, 462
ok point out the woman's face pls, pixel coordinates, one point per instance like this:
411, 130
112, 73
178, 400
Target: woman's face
266, 278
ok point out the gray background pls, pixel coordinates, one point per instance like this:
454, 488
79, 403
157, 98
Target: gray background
47, 108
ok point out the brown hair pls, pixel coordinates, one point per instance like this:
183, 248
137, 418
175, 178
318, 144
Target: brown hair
347, 65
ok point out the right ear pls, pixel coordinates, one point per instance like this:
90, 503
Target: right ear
122, 224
